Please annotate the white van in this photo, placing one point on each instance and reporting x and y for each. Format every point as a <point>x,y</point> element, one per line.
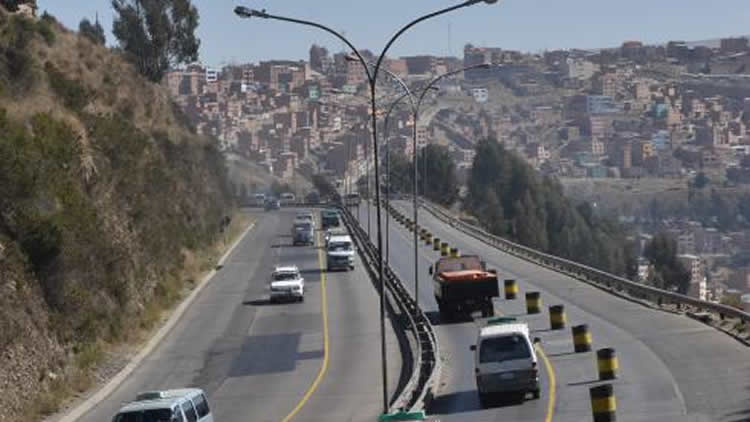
<point>505,361</point>
<point>180,405</point>
<point>339,253</point>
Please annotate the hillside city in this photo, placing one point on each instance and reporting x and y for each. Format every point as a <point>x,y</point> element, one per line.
<point>560,226</point>
<point>674,112</point>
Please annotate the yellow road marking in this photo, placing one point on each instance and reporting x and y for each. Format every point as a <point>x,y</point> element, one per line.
<point>324,367</point>
<point>547,364</point>
<point>552,385</point>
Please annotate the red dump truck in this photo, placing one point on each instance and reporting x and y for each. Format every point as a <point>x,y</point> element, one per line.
<point>463,286</point>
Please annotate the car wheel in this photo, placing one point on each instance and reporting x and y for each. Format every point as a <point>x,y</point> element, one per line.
<point>484,400</point>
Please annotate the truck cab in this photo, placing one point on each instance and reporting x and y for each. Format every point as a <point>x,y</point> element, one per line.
<point>462,285</point>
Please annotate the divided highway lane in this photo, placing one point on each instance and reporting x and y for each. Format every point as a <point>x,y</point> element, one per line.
<point>645,392</point>
<point>259,361</point>
<point>673,368</point>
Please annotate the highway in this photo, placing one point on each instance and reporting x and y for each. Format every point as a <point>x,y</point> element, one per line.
<point>672,368</point>
<point>261,362</point>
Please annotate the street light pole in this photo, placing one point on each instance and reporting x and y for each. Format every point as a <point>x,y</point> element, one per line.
<point>372,79</point>
<point>386,120</point>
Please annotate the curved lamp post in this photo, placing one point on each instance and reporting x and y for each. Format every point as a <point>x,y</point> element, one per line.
<point>415,107</point>
<point>245,12</point>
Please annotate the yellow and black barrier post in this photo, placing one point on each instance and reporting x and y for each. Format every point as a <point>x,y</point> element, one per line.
<point>603,404</point>
<point>455,253</point>
<point>444,249</point>
<point>581,338</point>
<point>557,318</point>
<point>607,363</point>
<point>436,244</point>
<point>511,289</point>
<point>428,238</point>
<point>533,302</point>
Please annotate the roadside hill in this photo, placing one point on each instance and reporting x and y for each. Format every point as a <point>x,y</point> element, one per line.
<point>105,195</point>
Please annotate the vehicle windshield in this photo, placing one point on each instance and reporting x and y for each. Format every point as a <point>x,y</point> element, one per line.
<point>463,263</point>
<point>339,247</point>
<point>302,226</point>
<point>151,415</point>
<point>285,276</point>
<point>498,349</point>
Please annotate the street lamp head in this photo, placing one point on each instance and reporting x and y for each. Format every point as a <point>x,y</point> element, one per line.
<point>246,12</point>
<point>351,58</point>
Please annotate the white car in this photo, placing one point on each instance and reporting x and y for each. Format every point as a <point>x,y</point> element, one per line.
<point>287,284</point>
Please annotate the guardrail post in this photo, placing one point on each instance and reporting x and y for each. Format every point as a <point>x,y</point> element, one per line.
<point>511,289</point>
<point>607,363</point>
<point>533,302</point>
<point>557,318</point>
<point>581,338</point>
<point>603,404</point>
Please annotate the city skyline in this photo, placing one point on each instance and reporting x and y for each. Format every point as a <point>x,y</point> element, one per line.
<point>509,24</point>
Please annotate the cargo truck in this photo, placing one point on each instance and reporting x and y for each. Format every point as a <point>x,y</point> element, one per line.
<point>462,285</point>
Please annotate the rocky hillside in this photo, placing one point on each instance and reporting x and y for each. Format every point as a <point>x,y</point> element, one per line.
<point>105,192</point>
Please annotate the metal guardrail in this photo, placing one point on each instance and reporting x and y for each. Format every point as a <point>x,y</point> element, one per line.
<point>426,369</point>
<point>586,273</point>
<point>424,379</point>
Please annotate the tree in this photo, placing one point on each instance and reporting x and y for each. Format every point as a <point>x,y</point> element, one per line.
<point>156,34</point>
<point>438,175</point>
<point>661,252</point>
<point>701,181</point>
<point>93,32</point>
<point>12,5</point>
<point>324,186</point>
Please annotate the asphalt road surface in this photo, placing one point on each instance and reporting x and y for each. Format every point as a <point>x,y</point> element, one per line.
<point>262,362</point>
<point>672,368</point>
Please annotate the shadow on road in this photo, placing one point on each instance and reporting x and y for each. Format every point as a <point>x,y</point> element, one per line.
<point>259,302</point>
<point>435,319</point>
<point>558,355</point>
<point>579,383</point>
<point>312,271</point>
<point>468,401</point>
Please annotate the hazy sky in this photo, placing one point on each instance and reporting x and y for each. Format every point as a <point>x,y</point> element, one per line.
<point>529,25</point>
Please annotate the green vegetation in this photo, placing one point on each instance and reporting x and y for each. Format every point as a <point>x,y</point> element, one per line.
<point>441,182</point>
<point>669,272</point>
<point>156,34</point>
<point>92,31</point>
<point>102,214</point>
<point>324,186</point>
<point>437,175</point>
<point>511,200</point>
